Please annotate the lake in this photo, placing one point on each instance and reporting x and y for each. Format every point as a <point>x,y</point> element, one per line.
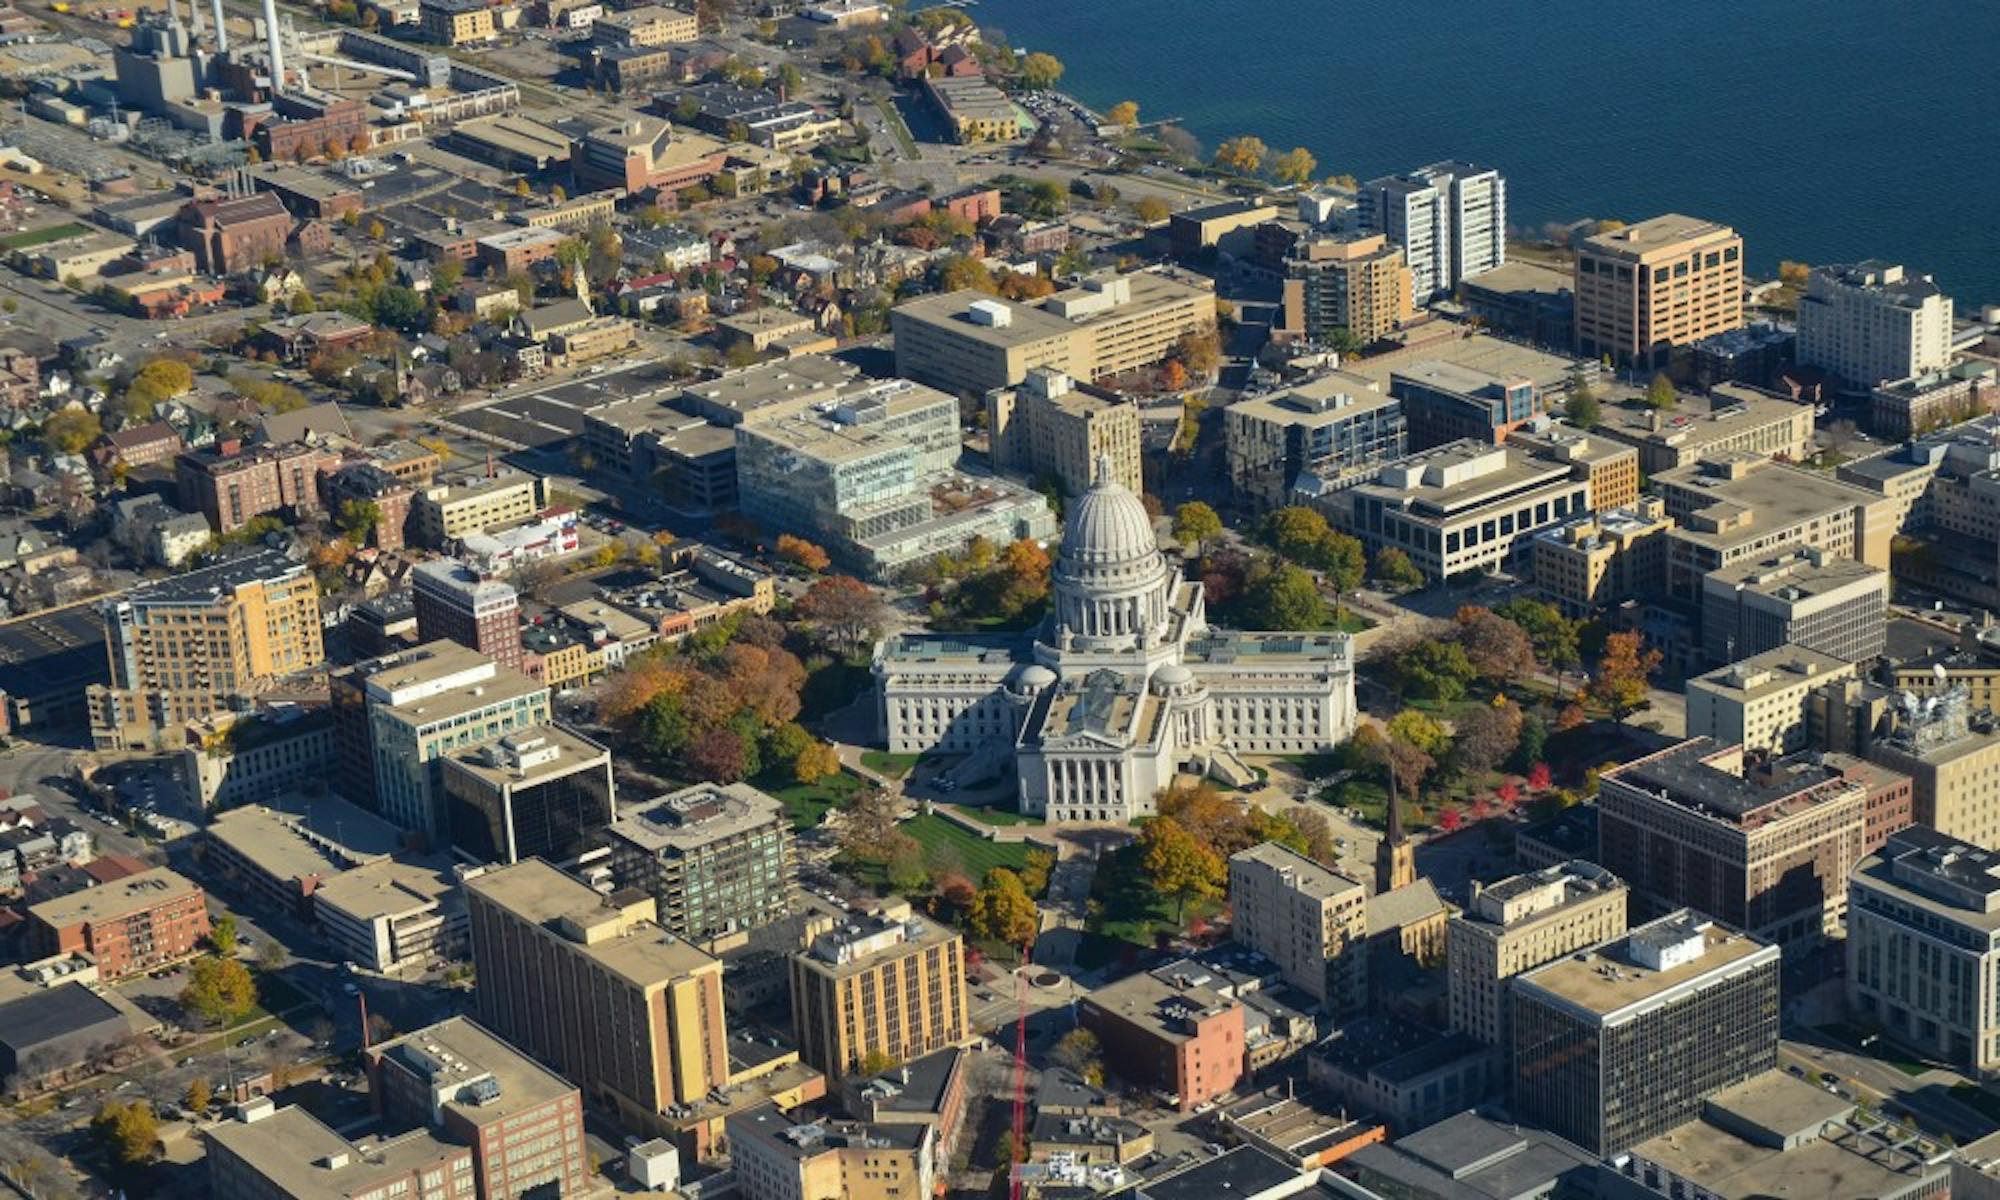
<point>1823,132</point>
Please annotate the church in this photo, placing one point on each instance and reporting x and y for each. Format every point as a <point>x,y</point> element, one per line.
<point>1123,685</point>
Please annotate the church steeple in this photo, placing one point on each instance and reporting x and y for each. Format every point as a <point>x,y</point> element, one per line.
<point>1395,858</point>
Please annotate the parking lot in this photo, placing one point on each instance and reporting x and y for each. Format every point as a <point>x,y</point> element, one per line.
<point>542,416</point>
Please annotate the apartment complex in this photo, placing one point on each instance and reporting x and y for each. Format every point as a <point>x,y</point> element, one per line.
<point>1517,924</point>
<point>716,858</point>
<point>1802,597</point>
<point>595,989</point>
<point>1765,847</point>
<point>1763,702</point>
<point>1872,322</point>
<point>1463,507</point>
<point>182,647</point>
<point>1742,507</point>
<point>232,484</point>
<point>1311,921</point>
<point>1359,285</point>
<point>1624,1042</point>
<point>457,603</point>
<point>395,716</point>
<point>523,1124</point>
<point>776,1157</point>
<point>1646,289</point>
<point>1923,946</point>
<point>269,1153</point>
<point>887,982</point>
<point>127,926</point>
<point>1952,755</point>
<point>1738,418</point>
<point>442,514</point>
<point>1052,428</point>
<point>646,25</point>
<point>1171,1029</point>
<point>969,343</point>
<point>1329,427</point>
<point>541,792</point>
<point>1589,563</point>
<point>1448,218</point>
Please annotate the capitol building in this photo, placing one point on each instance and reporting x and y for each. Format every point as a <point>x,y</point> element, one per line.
<point>1123,685</point>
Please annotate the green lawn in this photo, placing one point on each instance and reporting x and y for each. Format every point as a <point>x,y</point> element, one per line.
<point>1125,909</point>
<point>946,843</point>
<point>991,815</point>
<point>895,766</point>
<point>1369,798</point>
<point>30,238</point>
<point>808,803</point>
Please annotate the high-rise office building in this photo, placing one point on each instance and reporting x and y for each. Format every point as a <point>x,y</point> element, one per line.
<point>523,1123</point>
<point>1763,846</point>
<point>1053,427</point>
<point>1330,426</point>
<point>1953,756</point>
<point>716,857</point>
<point>883,983</point>
<point>1923,946</point>
<point>1644,289</point>
<point>1517,924</point>
<point>541,792</point>
<point>1624,1042</point>
<point>1799,595</point>
<point>185,646</point>
<point>596,990</point>
<point>1449,218</point>
<point>457,602</point>
<point>1311,921</point>
<point>1872,322</point>
<point>1359,284</point>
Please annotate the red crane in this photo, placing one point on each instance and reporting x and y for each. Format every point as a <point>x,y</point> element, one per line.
<point>1020,1069</point>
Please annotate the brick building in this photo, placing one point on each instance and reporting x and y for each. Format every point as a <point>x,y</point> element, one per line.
<point>131,925</point>
<point>1170,1031</point>
<point>367,483</point>
<point>230,484</point>
<point>228,236</point>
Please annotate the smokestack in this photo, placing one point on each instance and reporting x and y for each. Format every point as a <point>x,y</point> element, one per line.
<point>221,31</point>
<point>271,44</point>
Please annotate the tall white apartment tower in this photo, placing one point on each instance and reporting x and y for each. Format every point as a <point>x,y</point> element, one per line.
<point>1450,218</point>
<point>1872,322</point>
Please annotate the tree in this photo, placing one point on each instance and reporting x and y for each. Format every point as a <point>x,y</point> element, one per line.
<point>271,954</point>
<point>846,609</point>
<point>71,430</point>
<point>1793,274</point>
<point>1040,71</point>
<point>1294,166</point>
<point>1582,409</point>
<point>1553,635</point>
<point>1152,210</point>
<point>358,519</point>
<point>1419,730</point>
<point>1125,112</point>
<point>1410,750</point>
<point>1179,866</point>
<point>1620,684</point>
<point>1297,532</point>
<point>1392,566</point>
<point>718,755</point>
<point>1498,649</point>
<point>1243,154</point>
<point>802,553</point>
<point>1079,1051</point>
<point>222,934</point>
<point>1433,669</point>
<point>1283,597</point>
<point>1195,523</point>
<point>219,990</point>
<point>197,1096</point>
<point>1660,393</point>
<point>815,762</point>
<point>1002,911</point>
<point>1317,832</point>
<point>1342,561</point>
<point>170,376</point>
<point>1485,735</point>
<point>130,1131</point>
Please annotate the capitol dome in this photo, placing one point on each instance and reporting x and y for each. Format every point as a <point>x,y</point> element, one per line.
<point>1111,581</point>
<point>1107,525</point>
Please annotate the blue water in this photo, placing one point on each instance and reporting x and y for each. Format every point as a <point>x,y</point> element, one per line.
<point>1823,131</point>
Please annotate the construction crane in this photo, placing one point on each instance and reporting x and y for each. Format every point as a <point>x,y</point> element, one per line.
<point>1020,1124</point>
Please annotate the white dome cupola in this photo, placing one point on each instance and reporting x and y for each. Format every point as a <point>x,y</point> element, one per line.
<point>1111,581</point>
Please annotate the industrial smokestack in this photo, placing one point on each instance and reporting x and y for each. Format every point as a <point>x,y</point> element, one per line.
<point>271,44</point>
<point>221,30</point>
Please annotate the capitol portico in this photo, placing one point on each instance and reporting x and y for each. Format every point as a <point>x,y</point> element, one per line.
<point>1123,685</point>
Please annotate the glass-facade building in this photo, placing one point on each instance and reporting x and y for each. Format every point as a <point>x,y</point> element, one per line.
<point>716,858</point>
<point>543,792</point>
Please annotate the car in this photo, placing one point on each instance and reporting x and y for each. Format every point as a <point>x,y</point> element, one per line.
<point>249,1041</point>
<point>1828,1077</point>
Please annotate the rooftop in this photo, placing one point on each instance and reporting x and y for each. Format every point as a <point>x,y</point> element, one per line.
<point>1533,895</point>
<point>1748,500</point>
<point>1244,1171</point>
<point>46,1013</point>
<point>529,756</point>
<point>1450,479</point>
<point>389,887</point>
<point>1774,670</point>
<point>1327,400</point>
<point>305,1159</point>
<point>864,939</point>
<point>1731,409</point>
<point>1300,873</point>
<point>119,898</point>
<point>1394,1051</point>
<point>297,837</point>
<point>1615,982</point>
<point>1797,573</point>
<point>480,1077</point>
<point>1470,1157</point>
<point>623,942</point>
<point>208,585</point>
<point>1644,238</point>
<point>1165,1005</point>
<point>1713,781</point>
<point>1937,874</point>
<point>700,815</point>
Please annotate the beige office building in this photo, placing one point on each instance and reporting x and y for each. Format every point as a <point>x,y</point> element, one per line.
<point>1743,506</point>
<point>1763,702</point>
<point>1311,921</point>
<point>646,25</point>
<point>776,1157</point>
<point>443,514</point>
<point>1603,558</point>
<point>1517,924</point>
<point>1952,754</point>
<point>1360,284</point>
<point>887,983</point>
<point>595,989</point>
<point>1050,427</point>
<point>969,342</point>
<point>1735,418</point>
<point>1645,289</point>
